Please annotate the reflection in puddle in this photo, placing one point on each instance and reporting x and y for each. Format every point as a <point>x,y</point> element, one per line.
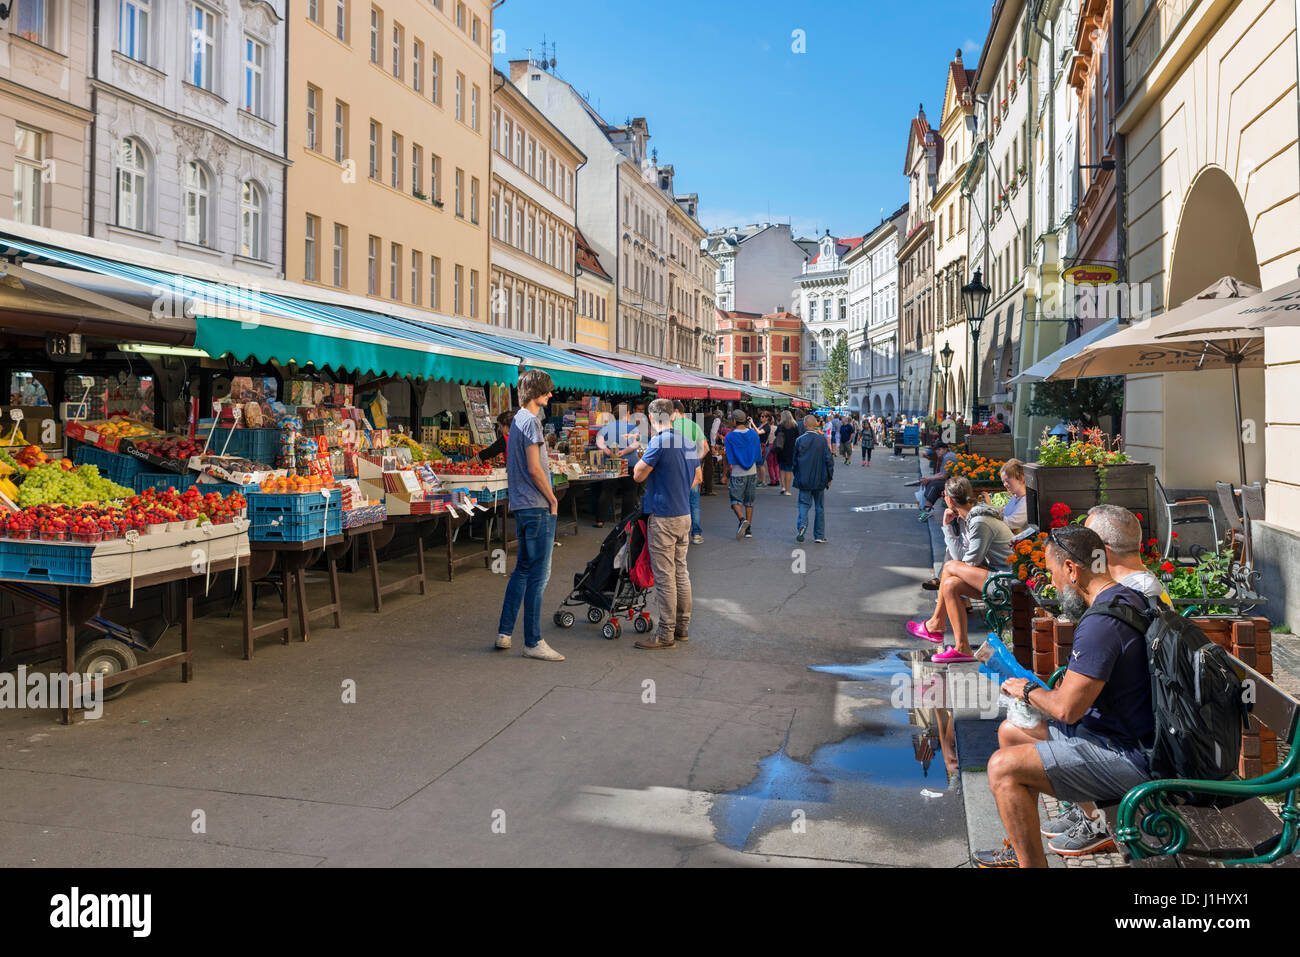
<point>887,756</point>
<point>885,507</point>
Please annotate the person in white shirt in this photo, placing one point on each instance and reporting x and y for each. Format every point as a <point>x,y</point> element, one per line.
<point>1121,533</point>
<point>1016,511</point>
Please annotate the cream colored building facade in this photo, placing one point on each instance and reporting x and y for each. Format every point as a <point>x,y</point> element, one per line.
<point>532,218</point>
<point>1212,188</point>
<point>389,138</point>
<point>686,294</point>
<point>45,116</point>
<point>709,268</point>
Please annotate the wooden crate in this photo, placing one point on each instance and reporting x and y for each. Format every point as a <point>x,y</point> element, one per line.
<point>1132,486</point>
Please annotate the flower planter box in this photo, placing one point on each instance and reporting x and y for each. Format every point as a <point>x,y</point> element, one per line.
<point>999,445</point>
<point>1132,486</point>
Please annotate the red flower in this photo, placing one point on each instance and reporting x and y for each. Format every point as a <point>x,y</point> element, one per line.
<point>1175,534</point>
<point>1167,567</point>
<point>1138,515</point>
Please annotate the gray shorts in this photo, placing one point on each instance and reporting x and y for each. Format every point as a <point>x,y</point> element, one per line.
<point>1083,766</point>
<point>743,488</point>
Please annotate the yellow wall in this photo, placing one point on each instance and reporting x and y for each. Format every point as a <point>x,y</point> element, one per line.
<point>345,194</point>
<point>592,331</point>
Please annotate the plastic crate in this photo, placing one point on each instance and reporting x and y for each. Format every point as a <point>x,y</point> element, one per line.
<point>225,488</point>
<point>158,481</point>
<point>54,562</point>
<point>256,445</point>
<point>114,466</point>
<point>293,517</point>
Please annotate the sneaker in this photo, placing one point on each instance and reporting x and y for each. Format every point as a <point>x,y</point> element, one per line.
<point>924,516</point>
<point>697,539</point>
<point>740,528</point>
<point>1003,857</point>
<point>1085,837</point>
<point>802,529</point>
<point>1060,825</point>
<point>820,541</point>
<point>749,529</point>
<point>543,652</point>
<point>503,641</point>
<point>950,656</point>
<point>917,629</point>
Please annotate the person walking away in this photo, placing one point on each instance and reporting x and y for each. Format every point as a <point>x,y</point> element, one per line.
<point>619,439</point>
<point>743,456</point>
<point>712,422</point>
<point>847,431</point>
<point>786,436</point>
<point>528,480</point>
<point>814,467</point>
<point>692,432</point>
<point>669,470</point>
<point>868,443</point>
<point>767,460</point>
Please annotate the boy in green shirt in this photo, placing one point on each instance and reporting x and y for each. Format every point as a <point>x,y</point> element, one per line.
<point>692,432</point>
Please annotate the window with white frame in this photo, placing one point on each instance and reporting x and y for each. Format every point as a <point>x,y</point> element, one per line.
<point>473,293</point>
<point>375,133</point>
<point>417,276</point>
<point>250,221</point>
<point>396,161</point>
<point>460,191</point>
<point>394,270</point>
<point>132,185</point>
<point>341,19</point>
<point>340,131</point>
<point>313,119</point>
<point>254,74</point>
<point>399,48</point>
<point>417,169</point>
<point>34,21</point>
<point>417,66</point>
<point>435,290</point>
<point>203,47</point>
<point>435,178</point>
<point>311,249</point>
<point>340,255</point>
<point>460,96</point>
<point>435,73</point>
<point>197,203</point>
<point>133,21</point>
<point>458,274</point>
<point>372,266</point>
<point>473,200</point>
<point>473,107</point>
<point>29,163</point>
<point>376,32</point>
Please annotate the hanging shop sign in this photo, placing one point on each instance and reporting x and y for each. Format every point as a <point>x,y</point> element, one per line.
<point>65,347</point>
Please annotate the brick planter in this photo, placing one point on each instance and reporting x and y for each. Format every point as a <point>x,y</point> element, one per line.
<point>1132,486</point>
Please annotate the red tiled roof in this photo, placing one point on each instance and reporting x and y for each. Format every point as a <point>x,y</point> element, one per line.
<point>587,259</point>
<point>842,246</point>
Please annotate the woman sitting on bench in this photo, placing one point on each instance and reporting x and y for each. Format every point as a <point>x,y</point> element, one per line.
<point>978,542</point>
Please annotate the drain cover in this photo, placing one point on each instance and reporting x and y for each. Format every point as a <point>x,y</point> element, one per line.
<point>884,506</point>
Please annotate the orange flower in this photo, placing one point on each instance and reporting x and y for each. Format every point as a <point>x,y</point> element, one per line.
<point>1022,572</point>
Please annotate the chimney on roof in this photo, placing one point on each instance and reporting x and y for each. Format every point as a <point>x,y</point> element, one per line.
<point>517,69</point>
<point>958,56</point>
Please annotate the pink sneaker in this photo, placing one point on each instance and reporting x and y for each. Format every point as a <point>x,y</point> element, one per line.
<point>950,656</point>
<point>917,629</point>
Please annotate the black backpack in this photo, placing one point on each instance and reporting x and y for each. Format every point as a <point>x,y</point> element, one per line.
<point>1197,696</point>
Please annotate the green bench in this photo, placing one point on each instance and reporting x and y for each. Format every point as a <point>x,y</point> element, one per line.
<point>1227,823</point>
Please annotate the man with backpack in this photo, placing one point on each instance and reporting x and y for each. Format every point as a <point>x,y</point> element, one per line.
<point>1094,747</point>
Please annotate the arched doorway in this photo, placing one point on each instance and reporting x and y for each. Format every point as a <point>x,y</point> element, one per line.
<point>962,406</point>
<point>889,404</point>
<point>1162,413</point>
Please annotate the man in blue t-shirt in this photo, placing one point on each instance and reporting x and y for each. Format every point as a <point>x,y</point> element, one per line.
<point>528,478</point>
<point>743,453</point>
<point>620,438</point>
<point>669,468</point>
<point>1101,717</point>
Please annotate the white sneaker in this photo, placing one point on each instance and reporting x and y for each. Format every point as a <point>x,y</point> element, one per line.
<point>503,641</point>
<point>543,652</point>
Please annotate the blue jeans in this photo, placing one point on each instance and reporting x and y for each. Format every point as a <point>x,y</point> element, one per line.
<point>806,500</point>
<point>696,528</point>
<point>535,528</point>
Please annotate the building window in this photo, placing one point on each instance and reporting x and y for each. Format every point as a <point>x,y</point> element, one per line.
<point>473,293</point>
<point>254,71</point>
<point>396,162</point>
<point>507,232</point>
<point>785,372</point>
<point>313,11</point>
<point>340,255</point>
<point>399,48</point>
<point>458,275</point>
<point>460,16</point>
<point>417,274</point>
<point>372,266</point>
<point>435,286</point>
<point>311,253</point>
<point>197,199</point>
<point>394,269</point>
<point>474,30</point>
<point>375,133</point>
<point>376,31</point>
<point>313,119</point>
<point>435,178</point>
<point>473,107</point>
<point>417,67</point>
<point>435,71</point>
<point>133,18</point>
<point>250,221</point>
<point>460,96</point>
<point>203,46</point>
<point>460,189</point>
<point>473,200</point>
<point>340,131</point>
<point>33,21</point>
<point>29,163</point>
<point>132,185</point>
<point>492,215</point>
<point>341,19</point>
<point>417,169</point>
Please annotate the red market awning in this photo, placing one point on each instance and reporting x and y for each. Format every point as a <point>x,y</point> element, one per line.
<point>670,383</point>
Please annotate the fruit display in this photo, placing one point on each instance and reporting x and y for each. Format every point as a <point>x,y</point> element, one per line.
<point>9,465</point>
<point>55,484</point>
<point>145,513</point>
<point>119,429</point>
<point>175,447</point>
<point>30,456</point>
<point>418,453</point>
<point>288,484</point>
<point>455,446</point>
<point>472,467</point>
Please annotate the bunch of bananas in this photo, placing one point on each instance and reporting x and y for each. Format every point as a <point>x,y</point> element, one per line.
<point>120,429</point>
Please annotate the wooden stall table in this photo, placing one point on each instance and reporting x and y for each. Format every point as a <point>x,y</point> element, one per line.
<point>454,561</point>
<point>295,558</point>
<point>80,603</point>
<point>380,534</point>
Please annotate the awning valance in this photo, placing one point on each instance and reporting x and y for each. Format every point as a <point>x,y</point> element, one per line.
<point>567,370</point>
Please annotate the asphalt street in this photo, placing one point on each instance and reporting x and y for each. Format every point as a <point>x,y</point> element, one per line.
<point>731,750</point>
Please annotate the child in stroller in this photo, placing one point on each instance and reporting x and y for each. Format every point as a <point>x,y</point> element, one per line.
<point>616,582</point>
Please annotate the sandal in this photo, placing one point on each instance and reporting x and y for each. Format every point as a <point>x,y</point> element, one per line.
<point>931,585</point>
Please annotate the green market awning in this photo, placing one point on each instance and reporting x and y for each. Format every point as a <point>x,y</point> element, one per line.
<point>568,371</point>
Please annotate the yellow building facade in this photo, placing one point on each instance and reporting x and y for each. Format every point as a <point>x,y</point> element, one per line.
<point>389,141</point>
<point>595,299</point>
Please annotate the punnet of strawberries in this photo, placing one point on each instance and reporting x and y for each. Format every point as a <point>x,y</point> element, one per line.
<point>95,523</point>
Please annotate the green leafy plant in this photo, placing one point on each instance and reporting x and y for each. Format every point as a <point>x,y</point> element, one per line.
<point>835,379</point>
<point>1084,401</point>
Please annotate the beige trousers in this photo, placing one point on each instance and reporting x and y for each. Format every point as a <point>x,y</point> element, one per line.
<point>668,539</point>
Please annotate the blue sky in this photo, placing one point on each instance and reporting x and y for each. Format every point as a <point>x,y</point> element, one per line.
<point>760,132</point>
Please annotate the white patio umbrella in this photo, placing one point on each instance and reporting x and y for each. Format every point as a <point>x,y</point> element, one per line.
<point>1154,346</point>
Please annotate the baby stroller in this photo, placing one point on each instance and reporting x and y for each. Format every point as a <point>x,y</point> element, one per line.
<point>616,582</point>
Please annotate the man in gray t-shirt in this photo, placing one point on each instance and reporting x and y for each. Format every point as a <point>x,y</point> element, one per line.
<point>525,430</point>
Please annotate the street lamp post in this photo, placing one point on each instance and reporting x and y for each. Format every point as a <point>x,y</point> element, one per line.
<point>975,297</point>
<point>945,354</point>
